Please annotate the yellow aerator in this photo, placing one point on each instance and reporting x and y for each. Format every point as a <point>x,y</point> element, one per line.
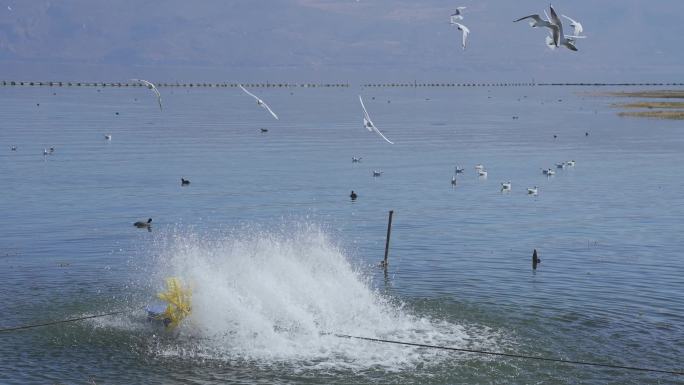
<point>177,300</point>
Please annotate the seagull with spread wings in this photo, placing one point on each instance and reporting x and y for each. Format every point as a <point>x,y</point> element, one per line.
<point>560,39</point>
<point>536,21</point>
<point>458,14</point>
<point>154,89</point>
<point>260,102</point>
<point>465,32</point>
<point>368,123</point>
<point>576,26</point>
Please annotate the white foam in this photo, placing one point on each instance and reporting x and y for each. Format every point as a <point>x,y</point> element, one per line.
<point>271,297</point>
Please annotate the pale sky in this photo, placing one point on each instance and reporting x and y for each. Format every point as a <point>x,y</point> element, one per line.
<point>334,40</point>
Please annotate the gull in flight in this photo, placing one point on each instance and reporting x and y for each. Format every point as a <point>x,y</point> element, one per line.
<point>559,39</point>
<point>536,21</point>
<point>369,124</point>
<point>577,27</point>
<point>153,88</point>
<point>457,15</point>
<point>260,102</point>
<point>465,31</point>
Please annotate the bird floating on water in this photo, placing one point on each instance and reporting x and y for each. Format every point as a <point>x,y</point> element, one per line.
<point>533,190</point>
<point>570,163</point>
<point>453,180</point>
<point>152,87</point>
<point>459,170</point>
<point>377,173</point>
<point>356,160</point>
<point>482,173</point>
<point>143,225</point>
<point>260,102</point>
<point>264,130</point>
<point>560,165</point>
<point>353,195</point>
<point>108,137</point>
<point>506,186</point>
<point>368,123</point>
<point>13,148</point>
<point>185,182</point>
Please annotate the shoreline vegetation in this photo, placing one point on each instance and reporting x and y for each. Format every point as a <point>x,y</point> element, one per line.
<point>670,110</point>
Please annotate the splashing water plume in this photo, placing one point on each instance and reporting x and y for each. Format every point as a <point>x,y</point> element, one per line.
<point>274,297</point>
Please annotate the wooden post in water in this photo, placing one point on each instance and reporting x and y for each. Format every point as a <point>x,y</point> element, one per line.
<point>385,263</point>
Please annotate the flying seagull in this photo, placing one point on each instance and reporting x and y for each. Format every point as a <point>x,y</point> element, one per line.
<point>369,124</point>
<point>259,101</point>
<point>536,21</point>
<point>465,31</point>
<point>153,88</point>
<point>576,26</point>
<point>561,39</point>
<point>458,14</point>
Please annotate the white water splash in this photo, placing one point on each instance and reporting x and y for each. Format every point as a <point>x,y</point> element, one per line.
<point>273,297</point>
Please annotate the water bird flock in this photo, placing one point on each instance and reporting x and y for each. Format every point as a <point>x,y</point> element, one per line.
<point>557,37</point>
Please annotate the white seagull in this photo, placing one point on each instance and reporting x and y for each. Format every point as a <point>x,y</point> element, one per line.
<point>576,25</point>
<point>369,124</point>
<point>153,88</point>
<point>570,163</point>
<point>559,38</point>
<point>533,190</point>
<point>536,21</point>
<point>482,173</point>
<point>465,31</point>
<point>260,102</point>
<point>457,15</point>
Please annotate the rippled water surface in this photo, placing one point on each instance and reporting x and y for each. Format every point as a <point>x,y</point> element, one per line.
<point>278,256</point>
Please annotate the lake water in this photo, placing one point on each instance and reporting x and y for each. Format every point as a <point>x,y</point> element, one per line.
<point>278,256</point>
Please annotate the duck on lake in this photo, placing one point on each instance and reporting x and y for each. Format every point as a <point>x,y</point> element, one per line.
<point>143,225</point>
<point>184,182</point>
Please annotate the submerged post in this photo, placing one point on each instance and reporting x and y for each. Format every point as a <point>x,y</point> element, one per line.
<point>387,241</point>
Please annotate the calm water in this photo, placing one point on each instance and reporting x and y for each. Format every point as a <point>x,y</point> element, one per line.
<point>277,254</point>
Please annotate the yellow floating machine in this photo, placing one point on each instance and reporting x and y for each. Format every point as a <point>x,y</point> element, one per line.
<point>177,299</point>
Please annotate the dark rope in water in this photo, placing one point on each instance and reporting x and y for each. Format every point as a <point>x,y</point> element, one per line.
<point>462,350</point>
<point>24,327</point>
<point>506,354</point>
